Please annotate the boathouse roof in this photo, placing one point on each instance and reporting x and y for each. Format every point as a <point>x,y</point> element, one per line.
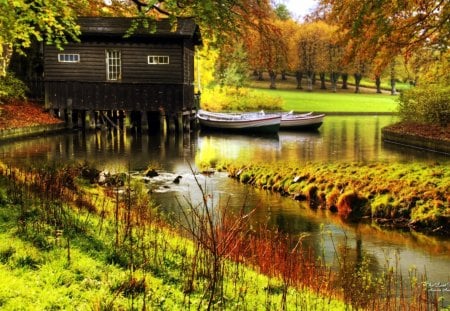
<point>118,27</point>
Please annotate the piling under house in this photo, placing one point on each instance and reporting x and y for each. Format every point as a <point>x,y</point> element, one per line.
<point>147,76</point>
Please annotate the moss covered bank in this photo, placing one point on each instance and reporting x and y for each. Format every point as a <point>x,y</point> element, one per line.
<point>409,196</point>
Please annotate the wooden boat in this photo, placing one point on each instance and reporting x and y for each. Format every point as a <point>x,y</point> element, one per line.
<point>306,121</point>
<point>246,122</point>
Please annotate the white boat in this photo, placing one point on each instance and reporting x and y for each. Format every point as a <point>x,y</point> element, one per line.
<point>306,121</point>
<point>257,122</point>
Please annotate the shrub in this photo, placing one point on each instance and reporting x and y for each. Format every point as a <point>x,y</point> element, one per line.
<point>426,104</point>
<point>11,88</point>
<point>238,99</point>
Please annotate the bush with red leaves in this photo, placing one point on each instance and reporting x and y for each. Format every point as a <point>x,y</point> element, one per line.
<point>24,114</point>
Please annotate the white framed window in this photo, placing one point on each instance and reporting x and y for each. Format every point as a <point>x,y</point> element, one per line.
<point>68,58</point>
<point>113,65</point>
<point>158,60</point>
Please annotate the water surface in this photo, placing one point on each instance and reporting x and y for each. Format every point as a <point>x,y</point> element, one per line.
<point>340,139</point>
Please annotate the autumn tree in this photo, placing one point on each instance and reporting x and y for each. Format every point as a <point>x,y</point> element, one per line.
<point>289,34</point>
<point>22,22</point>
<point>335,65</point>
<point>313,43</point>
<point>383,29</point>
<point>266,45</point>
<point>282,12</point>
<point>103,8</point>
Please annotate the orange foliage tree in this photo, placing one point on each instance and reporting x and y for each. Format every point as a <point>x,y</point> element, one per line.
<point>317,51</point>
<point>381,30</point>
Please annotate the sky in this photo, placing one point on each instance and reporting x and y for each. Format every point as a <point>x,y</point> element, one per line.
<point>299,8</point>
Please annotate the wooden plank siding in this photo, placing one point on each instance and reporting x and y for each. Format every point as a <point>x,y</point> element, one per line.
<point>135,67</point>
<point>141,87</point>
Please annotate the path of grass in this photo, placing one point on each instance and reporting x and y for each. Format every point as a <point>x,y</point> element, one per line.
<point>344,101</point>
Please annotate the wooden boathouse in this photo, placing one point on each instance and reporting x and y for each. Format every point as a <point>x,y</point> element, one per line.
<point>146,78</point>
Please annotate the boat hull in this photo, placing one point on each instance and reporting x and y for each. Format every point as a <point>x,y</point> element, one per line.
<point>292,122</point>
<point>233,123</point>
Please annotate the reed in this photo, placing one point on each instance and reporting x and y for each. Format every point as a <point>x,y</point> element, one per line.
<point>111,247</point>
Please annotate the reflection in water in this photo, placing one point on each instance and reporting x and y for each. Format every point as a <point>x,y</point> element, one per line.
<point>339,139</point>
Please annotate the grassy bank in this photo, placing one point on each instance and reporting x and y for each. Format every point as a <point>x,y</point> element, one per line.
<point>67,243</point>
<point>77,246</point>
<point>403,195</point>
<point>326,101</point>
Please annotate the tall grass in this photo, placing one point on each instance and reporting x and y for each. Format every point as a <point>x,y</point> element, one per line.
<point>92,248</point>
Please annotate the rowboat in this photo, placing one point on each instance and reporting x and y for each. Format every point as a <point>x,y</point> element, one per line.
<point>306,121</point>
<point>257,122</point>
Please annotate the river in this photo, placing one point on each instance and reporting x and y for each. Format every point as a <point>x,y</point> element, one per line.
<point>341,138</point>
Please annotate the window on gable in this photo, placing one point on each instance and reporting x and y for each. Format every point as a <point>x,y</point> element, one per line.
<point>69,58</point>
<point>158,60</point>
<point>113,65</point>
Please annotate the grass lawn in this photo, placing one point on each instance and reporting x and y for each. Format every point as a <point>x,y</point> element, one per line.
<point>326,101</point>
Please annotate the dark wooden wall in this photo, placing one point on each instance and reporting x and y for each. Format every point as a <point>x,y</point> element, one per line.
<point>92,66</point>
<point>142,87</point>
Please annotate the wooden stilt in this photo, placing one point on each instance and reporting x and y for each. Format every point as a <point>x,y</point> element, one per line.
<point>69,119</point>
<point>90,120</point>
<point>180,122</point>
<point>171,123</point>
<point>144,121</point>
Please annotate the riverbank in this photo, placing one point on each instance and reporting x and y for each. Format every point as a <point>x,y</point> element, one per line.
<point>70,244</point>
<point>423,136</point>
<point>24,118</point>
<point>404,196</point>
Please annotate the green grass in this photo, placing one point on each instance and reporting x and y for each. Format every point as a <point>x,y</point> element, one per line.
<point>123,257</point>
<point>37,272</point>
<point>343,101</point>
<point>385,84</point>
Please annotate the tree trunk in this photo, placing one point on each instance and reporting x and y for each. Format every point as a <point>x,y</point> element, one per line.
<point>322,81</point>
<point>313,78</point>
<point>378,84</point>
<point>310,77</point>
<point>5,57</point>
<point>273,76</point>
<point>358,77</point>
<point>283,75</point>
<point>298,77</point>
<point>344,81</point>
<point>334,76</point>
<point>393,90</point>
<point>260,75</point>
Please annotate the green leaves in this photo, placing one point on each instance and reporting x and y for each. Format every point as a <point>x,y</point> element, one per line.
<point>22,22</point>
<point>426,104</point>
